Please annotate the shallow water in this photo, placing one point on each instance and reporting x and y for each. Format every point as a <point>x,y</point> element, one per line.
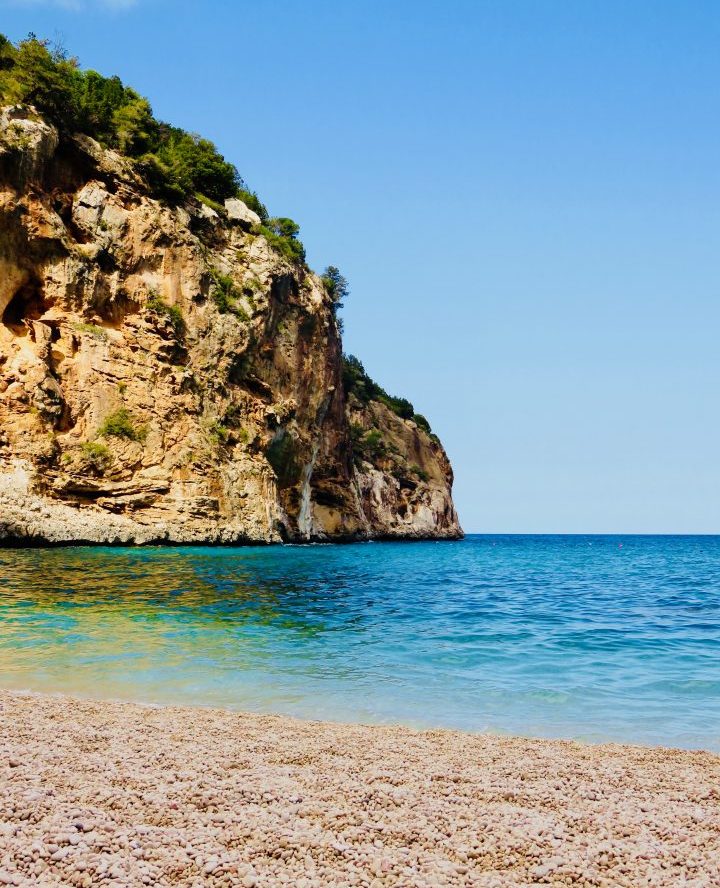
<point>595,638</point>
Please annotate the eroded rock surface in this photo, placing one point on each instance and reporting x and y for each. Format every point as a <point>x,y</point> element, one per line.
<point>167,376</point>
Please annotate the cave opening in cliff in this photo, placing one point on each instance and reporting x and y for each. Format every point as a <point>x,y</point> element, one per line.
<point>26,305</point>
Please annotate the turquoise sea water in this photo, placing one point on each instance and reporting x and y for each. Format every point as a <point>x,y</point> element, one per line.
<point>593,638</point>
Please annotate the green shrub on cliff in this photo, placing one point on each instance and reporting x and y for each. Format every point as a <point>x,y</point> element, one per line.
<point>32,73</point>
<point>6,53</point>
<point>171,312</point>
<point>338,289</point>
<point>121,424</point>
<point>418,471</point>
<point>401,406</point>
<point>90,458</point>
<point>357,382</point>
<point>95,457</point>
<point>282,234</point>
<point>370,445</point>
<point>219,433</point>
<point>91,330</point>
<point>209,202</point>
<point>336,285</point>
<point>177,164</point>
<point>420,421</point>
<point>356,432</point>
<point>225,295</point>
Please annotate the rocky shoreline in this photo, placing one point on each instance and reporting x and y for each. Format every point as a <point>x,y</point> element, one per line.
<point>28,520</point>
<point>104,793</point>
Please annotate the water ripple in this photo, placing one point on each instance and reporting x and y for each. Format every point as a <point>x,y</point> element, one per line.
<point>588,637</point>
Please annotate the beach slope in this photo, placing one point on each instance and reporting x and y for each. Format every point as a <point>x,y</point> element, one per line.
<point>98,793</point>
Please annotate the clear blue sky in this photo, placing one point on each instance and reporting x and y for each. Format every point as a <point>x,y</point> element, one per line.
<point>525,197</point>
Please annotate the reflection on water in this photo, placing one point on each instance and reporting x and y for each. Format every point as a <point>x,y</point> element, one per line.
<point>551,636</point>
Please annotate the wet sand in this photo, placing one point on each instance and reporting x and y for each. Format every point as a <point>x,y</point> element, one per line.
<point>95,793</point>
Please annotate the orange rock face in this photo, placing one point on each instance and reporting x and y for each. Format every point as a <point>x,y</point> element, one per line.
<point>167,376</point>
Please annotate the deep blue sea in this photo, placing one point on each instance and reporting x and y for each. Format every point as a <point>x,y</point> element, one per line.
<point>588,637</point>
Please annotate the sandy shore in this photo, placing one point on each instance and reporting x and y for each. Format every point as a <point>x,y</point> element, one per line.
<point>119,794</point>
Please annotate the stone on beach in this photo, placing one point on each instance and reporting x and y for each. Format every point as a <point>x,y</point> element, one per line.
<point>122,794</point>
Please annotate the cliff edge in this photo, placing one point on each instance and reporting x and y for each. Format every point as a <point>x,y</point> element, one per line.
<point>168,373</point>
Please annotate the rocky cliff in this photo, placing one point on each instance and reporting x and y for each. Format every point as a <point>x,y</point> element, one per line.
<point>168,375</point>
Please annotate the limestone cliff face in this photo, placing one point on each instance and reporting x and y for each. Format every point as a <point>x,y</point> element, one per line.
<point>167,376</point>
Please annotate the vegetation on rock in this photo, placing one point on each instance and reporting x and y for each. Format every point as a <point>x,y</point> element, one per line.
<point>336,285</point>
<point>225,295</point>
<point>419,471</point>
<point>96,456</point>
<point>171,312</point>
<point>177,165</point>
<point>282,234</point>
<point>370,445</point>
<point>121,424</point>
<point>338,289</point>
<point>275,433</point>
<point>219,433</point>
<point>357,382</point>
<point>91,330</point>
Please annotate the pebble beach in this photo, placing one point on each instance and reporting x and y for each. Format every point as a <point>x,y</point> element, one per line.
<point>119,794</point>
